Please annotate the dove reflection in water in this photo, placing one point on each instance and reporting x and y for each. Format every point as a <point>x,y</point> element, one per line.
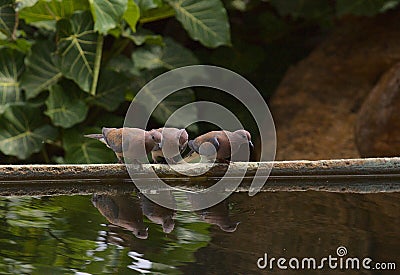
<point>122,210</point>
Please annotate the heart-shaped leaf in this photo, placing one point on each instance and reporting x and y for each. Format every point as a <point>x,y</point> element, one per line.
<point>80,149</point>
<point>23,131</point>
<point>78,49</point>
<point>7,17</point>
<point>205,21</point>
<point>107,13</point>
<point>11,67</point>
<point>44,10</point>
<point>110,90</point>
<point>172,56</point>
<point>65,108</point>
<point>42,71</point>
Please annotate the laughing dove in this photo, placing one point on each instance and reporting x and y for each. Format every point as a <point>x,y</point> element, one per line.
<point>173,142</point>
<point>138,143</point>
<point>221,144</point>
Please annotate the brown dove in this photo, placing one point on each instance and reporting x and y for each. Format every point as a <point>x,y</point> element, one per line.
<point>137,143</point>
<point>173,142</point>
<point>221,144</point>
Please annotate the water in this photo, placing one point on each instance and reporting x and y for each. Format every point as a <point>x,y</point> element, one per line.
<point>123,233</point>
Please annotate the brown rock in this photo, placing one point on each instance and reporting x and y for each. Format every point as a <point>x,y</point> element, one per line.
<point>316,104</point>
<point>378,121</point>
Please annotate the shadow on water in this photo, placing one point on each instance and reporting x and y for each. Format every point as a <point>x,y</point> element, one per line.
<point>124,232</point>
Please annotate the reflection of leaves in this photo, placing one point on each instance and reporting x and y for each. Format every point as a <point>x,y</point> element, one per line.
<point>23,214</point>
<point>77,49</point>
<point>80,149</point>
<point>172,56</point>
<point>7,18</point>
<point>64,108</point>
<point>22,131</point>
<point>205,21</point>
<point>11,66</point>
<point>41,70</point>
<point>107,13</point>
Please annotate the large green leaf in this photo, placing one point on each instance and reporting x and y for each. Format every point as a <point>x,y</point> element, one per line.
<point>64,107</point>
<point>364,7</point>
<point>78,49</point>
<point>44,10</point>
<point>205,21</point>
<point>7,17</point>
<point>132,14</point>
<point>42,71</point>
<point>80,149</point>
<point>23,132</point>
<point>110,90</point>
<point>107,13</point>
<point>11,67</point>
<point>172,56</point>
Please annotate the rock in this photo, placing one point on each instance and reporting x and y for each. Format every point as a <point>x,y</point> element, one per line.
<point>378,121</point>
<point>315,107</point>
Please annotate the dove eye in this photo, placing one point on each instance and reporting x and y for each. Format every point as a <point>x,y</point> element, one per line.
<point>153,137</point>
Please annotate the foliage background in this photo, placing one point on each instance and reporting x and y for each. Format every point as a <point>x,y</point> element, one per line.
<point>68,68</point>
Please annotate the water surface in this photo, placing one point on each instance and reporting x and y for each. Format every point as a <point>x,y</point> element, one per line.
<point>124,233</point>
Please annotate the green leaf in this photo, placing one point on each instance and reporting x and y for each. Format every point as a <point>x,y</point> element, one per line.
<point>364,7</point>
<point>64,107</point>
<point>205,21</point>
<point>107,13</point>
<point>45,10</point>
<point>80,149</point>
<point>143,36</point>
<point>23,132</point>
<point>172,56</point>
<point>7,17</point>
<point>42,71</point>
<point>303,8</point>
<point>78,49</point>
<point>132,14</point>
<point>11,67</point>
<point>110,90</point>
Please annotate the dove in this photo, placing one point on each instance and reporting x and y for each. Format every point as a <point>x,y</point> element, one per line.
<point>137,143</point>
<point>221,144</point>
<point>173,142</point>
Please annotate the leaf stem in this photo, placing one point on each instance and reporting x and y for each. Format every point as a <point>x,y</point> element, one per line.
<point>97,62</point>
